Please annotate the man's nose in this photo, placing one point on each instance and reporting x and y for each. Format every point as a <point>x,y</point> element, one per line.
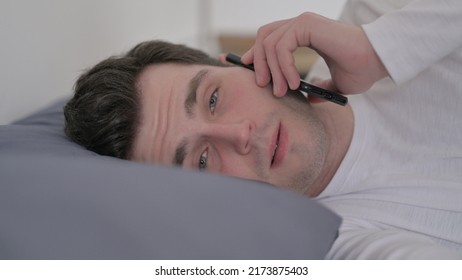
<point>237,135</point>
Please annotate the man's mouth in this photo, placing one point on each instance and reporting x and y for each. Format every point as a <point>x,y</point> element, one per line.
<point>278,147</point>
<point>274,151</point>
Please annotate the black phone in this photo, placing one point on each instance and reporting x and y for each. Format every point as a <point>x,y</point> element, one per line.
<point>304,87</point>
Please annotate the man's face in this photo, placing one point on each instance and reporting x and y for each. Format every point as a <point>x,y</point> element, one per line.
<point>217,119</point>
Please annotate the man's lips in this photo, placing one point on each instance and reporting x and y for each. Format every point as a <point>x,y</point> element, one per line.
<point>278,146</point>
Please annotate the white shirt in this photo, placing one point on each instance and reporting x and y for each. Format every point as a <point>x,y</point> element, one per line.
<point>399,188</point>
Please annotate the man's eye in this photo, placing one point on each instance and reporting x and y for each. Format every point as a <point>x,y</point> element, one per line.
<point>213,101</point>
<point>203,161</point>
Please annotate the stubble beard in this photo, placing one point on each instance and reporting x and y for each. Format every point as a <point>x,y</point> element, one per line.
<point>313,159</point>
<point>311,152</point>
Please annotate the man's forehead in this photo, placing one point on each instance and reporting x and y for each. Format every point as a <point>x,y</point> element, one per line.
<point>161,74</point>
<point>164,70</point>
<point>179,80</point>
<point>162,87</point>
<point>155,85</point>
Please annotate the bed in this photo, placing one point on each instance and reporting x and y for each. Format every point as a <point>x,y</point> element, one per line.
<point>60,201</point>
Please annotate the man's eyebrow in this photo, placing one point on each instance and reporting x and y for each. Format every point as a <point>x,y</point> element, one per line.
<point>191,98</point>
<point>180,153</point>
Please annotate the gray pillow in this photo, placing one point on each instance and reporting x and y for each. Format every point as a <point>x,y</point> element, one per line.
<point>60,201</point>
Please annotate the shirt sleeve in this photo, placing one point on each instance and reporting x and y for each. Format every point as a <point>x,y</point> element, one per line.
<point>387,244</point>
<point>415,37</point>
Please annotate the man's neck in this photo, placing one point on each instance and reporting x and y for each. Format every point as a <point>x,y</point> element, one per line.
<point>339,125</point>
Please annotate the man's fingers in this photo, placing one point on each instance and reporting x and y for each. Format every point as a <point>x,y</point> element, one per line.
<point>247,57</point>
<point>263,74</point>
<point>278,79</point>
<point>257,54</point>
<point>285,49</point>
<point>222,58</point>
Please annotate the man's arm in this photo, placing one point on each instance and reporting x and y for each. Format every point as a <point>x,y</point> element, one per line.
<point>417,36</point>
<point>353,64</point>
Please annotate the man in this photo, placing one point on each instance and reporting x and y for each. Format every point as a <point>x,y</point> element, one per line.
<point>389,163</point>
<point>206,117</point>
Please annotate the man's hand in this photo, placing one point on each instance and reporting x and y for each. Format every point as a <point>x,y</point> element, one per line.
<point>353,63</point>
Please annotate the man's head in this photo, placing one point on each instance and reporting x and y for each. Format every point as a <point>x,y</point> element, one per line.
<point>168,104</point>
<point>104,114</point>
